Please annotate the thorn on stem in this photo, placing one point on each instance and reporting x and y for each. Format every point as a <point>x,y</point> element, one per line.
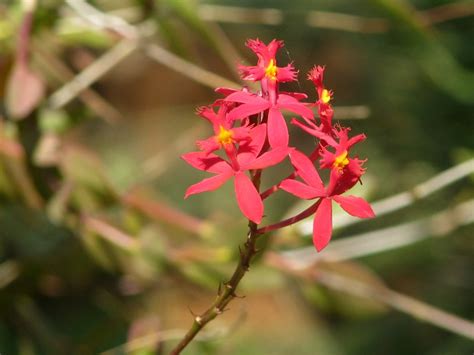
<point>192,313</point>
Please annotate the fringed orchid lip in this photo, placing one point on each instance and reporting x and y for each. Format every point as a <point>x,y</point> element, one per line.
<point>341,161</point>
<point>326,96</point>
<point>271,70</point>
<point>225,136</point>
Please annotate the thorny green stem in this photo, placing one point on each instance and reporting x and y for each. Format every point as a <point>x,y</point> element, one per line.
<point>226,294</point>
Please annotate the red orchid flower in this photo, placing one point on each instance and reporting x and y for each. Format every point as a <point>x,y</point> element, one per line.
<point>312,187</point>
<point>251,104</point>
<point>342,144</point>
<point>266,66</point>
<point>246,157</point>
<point>345,170</point>
<point>325,110</point>
<point>225,135</point>
<point>260,121</point>
<point>269,74</point>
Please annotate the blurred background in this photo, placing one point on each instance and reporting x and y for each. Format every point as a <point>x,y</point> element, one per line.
<point>99,253</point>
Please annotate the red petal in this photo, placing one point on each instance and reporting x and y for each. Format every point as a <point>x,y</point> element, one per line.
<point>285,74</point>
<point>327,158</point>
<point>248,198</point>
<point>316,75</point>
<point>305,168</point>
<point>225,91</point>
<point>208,145</point>
<point>340,183</point>
<point>241,133</point>
<point>300,189</point>
<point>206,162</point>
<point>249,151</point>
<point>262,51</point>
<point>297,95</point>
<point>273,47</point>
<point>253,73</point>
<point>277,130</point>
<point>209,184</point>
<point>355,140</point>
<point>207,113</point>
<point>355,206</point>
<point>245,97</point>
<point>322,224</point>
<point>246,110</point>
<point>287,99</point>
<point>314,130</point>
<point>267,159</point>
<point>293,105</point>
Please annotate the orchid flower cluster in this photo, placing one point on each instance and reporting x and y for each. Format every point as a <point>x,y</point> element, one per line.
<point>252,134</point>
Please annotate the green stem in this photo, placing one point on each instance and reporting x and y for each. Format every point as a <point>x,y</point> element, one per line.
<point>227,294</point>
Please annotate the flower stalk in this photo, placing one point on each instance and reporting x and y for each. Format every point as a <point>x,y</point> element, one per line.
<point>227,293</point>
<point>291,220</point>
<point>251,133</point>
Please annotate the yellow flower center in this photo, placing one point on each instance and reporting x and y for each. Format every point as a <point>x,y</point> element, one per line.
<point>341,161</point>
<point>271,70</point>
<point>325,96</point>
<point>225,136</point>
